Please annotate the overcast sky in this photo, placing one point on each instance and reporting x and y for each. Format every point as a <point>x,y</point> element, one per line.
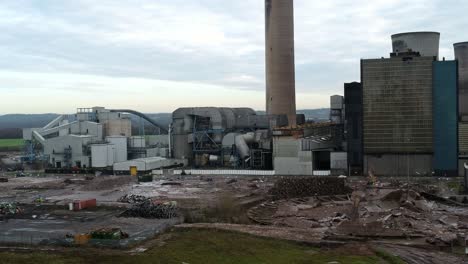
<point>158,55</point>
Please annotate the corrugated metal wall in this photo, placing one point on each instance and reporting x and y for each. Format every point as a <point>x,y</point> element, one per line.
<point>397,105</point>
<point>463,138</point>
<point>445,117</point>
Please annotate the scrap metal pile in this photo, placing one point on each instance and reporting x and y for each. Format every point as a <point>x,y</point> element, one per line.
<point>9,209</point>
<point>306,187</point>
<point>132,199</point>
<point>148,208</point>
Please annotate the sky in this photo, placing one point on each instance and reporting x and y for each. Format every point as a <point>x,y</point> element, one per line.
<point>158,55</point>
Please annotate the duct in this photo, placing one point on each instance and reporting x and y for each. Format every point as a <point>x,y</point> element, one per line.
<point>56,129</point>
<point>244,111</point>
<point>38,137</point>
<point>213,113</point>
<point>147,118</point>
<point>229,117</point>
<point>229,140</point>
<point>242,142</point>
<point>54,122</point>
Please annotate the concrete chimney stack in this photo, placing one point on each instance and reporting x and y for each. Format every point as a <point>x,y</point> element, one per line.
<point>280,71</point>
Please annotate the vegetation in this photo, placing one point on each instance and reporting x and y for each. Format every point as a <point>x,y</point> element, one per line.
<point>11,143</point>
<point>201,246</point>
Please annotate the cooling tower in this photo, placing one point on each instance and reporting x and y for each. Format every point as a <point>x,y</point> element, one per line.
<point>426,43</point>
<point>461,54</point>
<point>280,72</point>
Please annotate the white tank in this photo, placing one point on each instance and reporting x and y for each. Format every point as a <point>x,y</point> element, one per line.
<point>426,43</point>
<point>120,147</point>
<point>102,155</point>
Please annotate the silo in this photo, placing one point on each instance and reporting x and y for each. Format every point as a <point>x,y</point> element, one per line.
<point>280,72</point>
<point>426,43</point>
<point>461,54</point>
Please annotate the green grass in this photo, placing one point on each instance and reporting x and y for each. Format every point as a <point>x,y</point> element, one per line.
<point>11,143</point>
<point>389,258</point>
<point>201,246</point>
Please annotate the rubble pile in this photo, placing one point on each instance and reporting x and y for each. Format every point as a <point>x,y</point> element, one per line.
<point>306,187</point>
<point>375,213</point>
<point>9,209</point>
<point>133,199</point>
<point>313,212</point>
<point>153,209</point>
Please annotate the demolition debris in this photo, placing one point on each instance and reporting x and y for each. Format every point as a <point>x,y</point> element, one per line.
<point>306,187</point>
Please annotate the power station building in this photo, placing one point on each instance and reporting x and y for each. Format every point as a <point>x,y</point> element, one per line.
<point>409,111</point>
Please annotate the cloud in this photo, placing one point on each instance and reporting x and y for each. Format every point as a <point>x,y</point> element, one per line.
<point>206,47</point>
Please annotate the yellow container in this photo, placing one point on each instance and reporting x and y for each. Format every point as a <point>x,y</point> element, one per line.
<point>133,171</point>
<point>82,239</point>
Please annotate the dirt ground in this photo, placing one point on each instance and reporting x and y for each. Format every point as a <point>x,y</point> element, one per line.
<point>410,224</point>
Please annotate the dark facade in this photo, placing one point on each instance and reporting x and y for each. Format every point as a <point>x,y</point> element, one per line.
<point>445,112</point>
<point>353,114</point>
<point>397,105</point>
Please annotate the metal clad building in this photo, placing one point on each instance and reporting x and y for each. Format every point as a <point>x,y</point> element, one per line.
<point>397,105</point>
<point>353,105</point>
<point>463,138</point>
<point>445,117</point>
<point>461,54</point>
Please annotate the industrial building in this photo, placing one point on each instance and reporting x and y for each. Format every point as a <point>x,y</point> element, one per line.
<point>223,137</point>
<point>354,127</point>
<point>407,115</point>
<point>95,139</point>
<point>461,55</point>
<point>407,108</point>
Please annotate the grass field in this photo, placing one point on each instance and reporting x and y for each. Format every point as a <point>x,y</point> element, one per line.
<point>11,143</point>
<point>204,247</point>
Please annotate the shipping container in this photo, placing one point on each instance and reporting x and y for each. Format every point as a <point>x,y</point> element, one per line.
<point>84,204</point>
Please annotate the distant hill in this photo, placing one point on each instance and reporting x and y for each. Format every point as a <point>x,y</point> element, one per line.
<point>12,125</point>
<point>311,114</point>
<point>316,114</point>
<point>25,121</point>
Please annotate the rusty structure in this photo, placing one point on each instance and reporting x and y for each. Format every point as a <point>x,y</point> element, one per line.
<point>280,71</point>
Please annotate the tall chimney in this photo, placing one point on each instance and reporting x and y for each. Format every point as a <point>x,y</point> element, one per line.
<point>280,72</point>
